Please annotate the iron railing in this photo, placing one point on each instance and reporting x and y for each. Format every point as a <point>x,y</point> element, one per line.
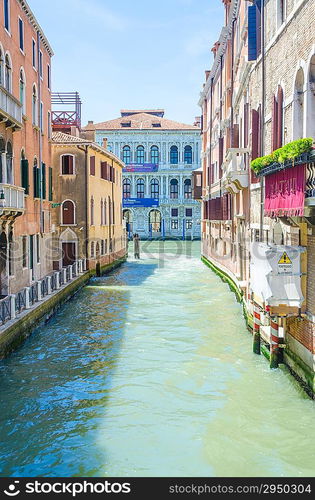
<point>5,309</point>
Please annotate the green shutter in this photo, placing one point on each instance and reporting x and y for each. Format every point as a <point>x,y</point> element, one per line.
<point>50,181</point>
<point>35,182</point>
<point>43,180</point>
<point>24,175</point>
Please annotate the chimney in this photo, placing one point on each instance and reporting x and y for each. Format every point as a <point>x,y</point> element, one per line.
<point>198,121</point>
<point>207,72</point>
<point>90,122</point>
<point>105,142</point>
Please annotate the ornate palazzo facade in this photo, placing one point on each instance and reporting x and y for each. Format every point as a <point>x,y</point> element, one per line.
<point>160,156</point>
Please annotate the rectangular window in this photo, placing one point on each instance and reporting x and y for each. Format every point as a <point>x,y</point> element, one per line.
<point>24,175</point>
<point>174,224</point>
<point>92,166</point>
<point>188,224</point>
<point>37,248</point>
<point>188,212</point>
<point>34,53</point>
<point>48,76</point>
<point>41,117</point>
<point>21,34</point>
<point>36,182</point>
<point>40,64</point>
<point>67,167</point>
<point>49,125</point>
<point>24,251</point>
<point>174,212</point>
<point>6,9</point>
<point>50,183</point>
<point>43,181</point>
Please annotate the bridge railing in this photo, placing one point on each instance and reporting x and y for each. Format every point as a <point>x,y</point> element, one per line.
<point>14,304</point>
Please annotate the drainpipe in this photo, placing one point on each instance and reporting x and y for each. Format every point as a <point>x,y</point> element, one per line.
<point>232,85</point>
<point>40,145</point>
<point>262,127</point>
<point>87,178</point>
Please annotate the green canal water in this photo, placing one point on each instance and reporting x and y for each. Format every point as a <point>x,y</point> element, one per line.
<point>149,372</point>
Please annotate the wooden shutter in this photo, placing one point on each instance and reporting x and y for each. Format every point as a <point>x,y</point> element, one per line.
<point>50,184</point>
<point>36,182</point>
<point>274,124</point>
<point>246,109</point>
<point>43,180</point>
<point>221,148</point>
<point>92,165</point>
<point>235,143</point>
<point>255,133</point>
<point>279,117</point>
<point>252,33</point>
<point>24,175</point>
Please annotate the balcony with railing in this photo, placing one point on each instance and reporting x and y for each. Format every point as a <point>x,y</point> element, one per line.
<point>11,199</point>
<point>235,172</point>
<point>10,110</point>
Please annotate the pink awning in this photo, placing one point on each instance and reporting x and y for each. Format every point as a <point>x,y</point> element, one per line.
<point>285,192</point>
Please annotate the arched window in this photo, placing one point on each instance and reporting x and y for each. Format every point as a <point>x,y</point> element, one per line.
<point>8,74</point>
<point>2,163</point>
<point>188,155</point>
<point>1,67</point>
<point>140,154</point>
<point>105,213</point>
<point>11,254</point>
<point>155,188</point>
<point>68,212</point>
<point>126,155</point>
<point>34,106</point>
<point>155,221</point>
<point>298,105</point>
<point>67,164</point>
<point>310,114</point>
<point>155,155</point>
<point>174,155</point>
<point>140,188</point>
<point>126,188</point>
<point>22,91</point>
<point>277,120</point>
<point>92,211</point>
<point>109,211</point>
<point>127,215</point>
<point>102,212</point>
<point>187,189</point>
<point>174,189</point>
<point>9,158</point>
<point>92,249</point>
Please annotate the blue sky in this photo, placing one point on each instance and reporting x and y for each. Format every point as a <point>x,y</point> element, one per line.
<point>131,53</point>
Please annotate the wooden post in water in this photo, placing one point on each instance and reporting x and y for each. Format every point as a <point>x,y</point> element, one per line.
<point>274,342</point>
<point>256,331</point>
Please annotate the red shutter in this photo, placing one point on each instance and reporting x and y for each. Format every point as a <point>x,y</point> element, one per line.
<point>279,117</point>
<point>246,107</point>
<point>235,143</point>
<point>255,132</point>
<point>92,165</point>
<point>221,147</point>
<point>274,124</point>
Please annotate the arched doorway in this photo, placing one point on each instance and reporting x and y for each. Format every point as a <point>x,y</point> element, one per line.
<point>127,215</point>
<point>155,221</point>
<point>69,247</point>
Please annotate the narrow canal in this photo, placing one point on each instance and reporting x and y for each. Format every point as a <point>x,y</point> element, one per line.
<point>149,371</point>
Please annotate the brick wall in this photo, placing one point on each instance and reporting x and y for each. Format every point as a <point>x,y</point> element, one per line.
<point>303,331</point>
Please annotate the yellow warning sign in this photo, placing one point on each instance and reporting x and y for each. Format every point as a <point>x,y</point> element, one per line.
<point>285,259</point>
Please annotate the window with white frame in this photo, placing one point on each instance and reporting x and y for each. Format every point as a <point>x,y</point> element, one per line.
<point>21,34</point>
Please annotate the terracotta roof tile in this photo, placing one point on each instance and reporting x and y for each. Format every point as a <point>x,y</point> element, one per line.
<point>140,121</point>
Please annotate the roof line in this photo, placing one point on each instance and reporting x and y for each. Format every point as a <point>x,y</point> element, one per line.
<point>36,25</point>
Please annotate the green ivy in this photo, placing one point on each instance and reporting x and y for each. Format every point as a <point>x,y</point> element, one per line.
<point>287,152</point>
